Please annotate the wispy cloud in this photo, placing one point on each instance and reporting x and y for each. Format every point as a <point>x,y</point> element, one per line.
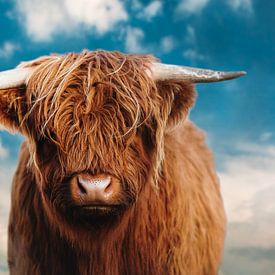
<point>150,11</point>
<point>193,55</point>
<point>153,9</point>
<point>167,44</point>
<point>191,52</point>
<point>190,36</point>
<point>248,187</point>
<point>5,183</point>
<point>241,5</point>
<point>3,151</point>
<point>7,49</point>
<point>134,40</point>
<point>191,6</point>
<point>43,19</point>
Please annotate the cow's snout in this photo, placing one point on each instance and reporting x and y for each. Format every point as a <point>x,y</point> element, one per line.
<point>95,190</point>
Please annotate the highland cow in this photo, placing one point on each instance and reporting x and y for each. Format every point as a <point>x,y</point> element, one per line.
<point>113,178</point>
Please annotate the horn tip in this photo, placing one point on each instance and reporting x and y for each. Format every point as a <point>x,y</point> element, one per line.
<point>242,73</point>
<point>238,74</point>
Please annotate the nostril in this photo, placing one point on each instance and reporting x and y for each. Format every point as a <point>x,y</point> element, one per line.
<point>81,188</point>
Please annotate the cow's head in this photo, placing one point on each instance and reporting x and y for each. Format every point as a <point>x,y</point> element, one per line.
<point>95,124</point>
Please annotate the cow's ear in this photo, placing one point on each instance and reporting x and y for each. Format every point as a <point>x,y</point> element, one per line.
<point>12,108</point>
<point>178,97</point>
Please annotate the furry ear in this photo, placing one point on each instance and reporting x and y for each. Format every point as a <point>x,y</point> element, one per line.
<point>178,97</point>
<point>12,108</point>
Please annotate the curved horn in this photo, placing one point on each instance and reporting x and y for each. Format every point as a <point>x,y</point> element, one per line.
<point>14,78</point>
<point>164,72</point>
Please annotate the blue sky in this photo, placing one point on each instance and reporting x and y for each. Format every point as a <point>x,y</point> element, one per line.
<point>237,116</point>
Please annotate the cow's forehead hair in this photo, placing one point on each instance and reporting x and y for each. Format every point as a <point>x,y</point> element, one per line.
<point>73,94</point>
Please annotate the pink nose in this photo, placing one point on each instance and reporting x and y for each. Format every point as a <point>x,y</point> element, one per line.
<point>95,189</point>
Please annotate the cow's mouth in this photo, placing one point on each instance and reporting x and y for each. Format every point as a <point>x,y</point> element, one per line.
<point>91,210</point>
<point>96,216</point>
<point>100,209</point>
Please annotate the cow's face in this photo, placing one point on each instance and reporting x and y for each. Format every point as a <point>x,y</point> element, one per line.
<point>95,124</point>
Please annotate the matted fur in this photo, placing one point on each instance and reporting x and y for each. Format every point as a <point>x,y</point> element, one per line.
<point>101,112</point>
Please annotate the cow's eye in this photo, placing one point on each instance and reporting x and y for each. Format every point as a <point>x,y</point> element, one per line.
<point>51,136</point>
<point>45,149</point>
<point>147,138</point>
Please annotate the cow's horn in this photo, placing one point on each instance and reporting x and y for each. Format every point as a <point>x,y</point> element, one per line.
<point>165,72</point>
<point>14,78</point>
<point>17,77</point>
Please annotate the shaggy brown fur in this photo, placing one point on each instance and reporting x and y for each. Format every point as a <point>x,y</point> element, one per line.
<point>100,112</point>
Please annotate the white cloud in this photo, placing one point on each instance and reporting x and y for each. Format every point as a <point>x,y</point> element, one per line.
<point>42,19</point>
<point>148,12</point>
<point>136,5</point>
<point>8,49</point>
<point>3,151</point>
<point>134,39</point>
<point>191,6</point>
<point>241,5</point>
<point>190,35</point>
<point>167,44</point>
<point>248,188</point>
<point>135,42</point>
<point>193,55</point>
<point>152,10</point>
<point>187,7</point>
<point>5,183</point>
